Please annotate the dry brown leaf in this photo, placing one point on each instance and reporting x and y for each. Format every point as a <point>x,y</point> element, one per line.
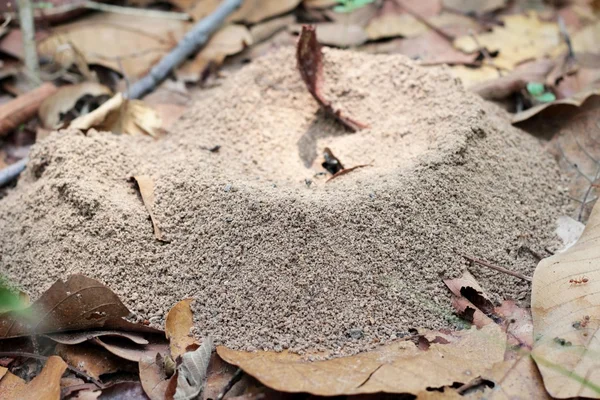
<point>121,116</point>
<point>514,379</point>
<point>522,38</point>
<point>396,368</point>
<point>577,100</point>
<point>146,187</point>
<point>218,375</point>
<point>265,30</point>
<point>227,41</point>
<point>80,303</point>
<point>65,99</point>
<point>93,360</point>
<point>45,386</point>
<point>119,42</point>
<point>154,379</point>
<point>477,7</point>
<point>310,65</point>
<point>178,325</point>
<point>566,317</point>
<point>337,34</point>
<point>131,351</point>
<point>251,11</point>
<point>80,337</point>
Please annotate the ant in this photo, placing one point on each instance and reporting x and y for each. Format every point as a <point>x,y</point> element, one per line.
<point>579,281</point>
<point>583,323</point>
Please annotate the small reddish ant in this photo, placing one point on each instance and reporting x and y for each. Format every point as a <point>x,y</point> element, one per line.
<point>579,281</point>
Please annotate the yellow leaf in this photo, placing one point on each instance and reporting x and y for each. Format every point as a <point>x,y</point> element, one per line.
<point>522,38</point>
<point>178,324</point>
<point>396,368</point>
<point>120,115</point>
<point>566,316</point>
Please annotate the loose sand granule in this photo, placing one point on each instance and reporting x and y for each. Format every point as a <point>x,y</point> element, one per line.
<point>276,257</point>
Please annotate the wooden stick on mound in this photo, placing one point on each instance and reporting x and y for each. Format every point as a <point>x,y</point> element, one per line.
<point>310,65</point>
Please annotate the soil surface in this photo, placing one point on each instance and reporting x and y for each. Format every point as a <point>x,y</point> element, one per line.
<point>276,256</point>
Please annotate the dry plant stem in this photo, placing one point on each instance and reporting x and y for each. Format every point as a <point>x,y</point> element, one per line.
<point>28,30</point>
<point>234,379</point>
<point>190,43</point>
<point>44,358</point>
<point>497,268</point>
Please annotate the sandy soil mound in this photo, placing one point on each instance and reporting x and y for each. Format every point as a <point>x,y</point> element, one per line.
<point>276,257</point>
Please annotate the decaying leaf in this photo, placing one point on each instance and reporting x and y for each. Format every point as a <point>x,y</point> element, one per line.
<point>400,367</point>
<point>131,351</point>
<point>79,303</point>
<point>227,41</point>
<point>251,11</point>
<point>178,324</point>
<point>146,187</point>
<point>219,374</point>
<point>121,116</point>
<point>310,65</point>
<point>93,360</point>
<point>77,99</point>
<point>134,44</point>
<point>192,371</point>
<point>154,380</point>
<point>566,317</point>
<point>522,38</point>
<point>45,386</point>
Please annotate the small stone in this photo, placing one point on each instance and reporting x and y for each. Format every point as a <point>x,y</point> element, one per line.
<point>228,187</point>
<point>356,333</point>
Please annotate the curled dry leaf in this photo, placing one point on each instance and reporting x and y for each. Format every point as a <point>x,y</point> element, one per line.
<point>566,317</point>
<point>53,109</point>
<point>522,38</point>
<point>146,187</point>
<point>396,368</point>
<point>191,373</point>
<point>80,337</point>
<point>45,386</point>
<point>154,379</point>
<point>93,360</point>
<point>131,351</point>
<point>79,303</point>
<point>178,324</point>
<point>310,65</point>
<point>122,116</point>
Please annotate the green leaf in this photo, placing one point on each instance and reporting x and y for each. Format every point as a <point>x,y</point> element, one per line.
<point>546,97</point>
<point>535,88</point>
<point>347,6</point>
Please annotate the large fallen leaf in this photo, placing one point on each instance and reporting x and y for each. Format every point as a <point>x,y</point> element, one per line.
<point>79,303</point>
<point>219,374</point>
<point>93,360</point>
<point>396,368</point>
<point>119,42</point>
<point>522,38</point>
<point>45,386</point>
<point>227,41</point>
<point>53,109</point>
<point>251,11</point>
<point>121,116</point>
<point>192,371</point>
<point>310,65</point>
<point>565,303</point>
<point>178,325</point>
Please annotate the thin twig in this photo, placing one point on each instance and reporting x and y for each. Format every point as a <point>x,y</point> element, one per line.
<point>234,379</point>
<point>32,63</point>
<point>497,268</point>
<point>44,358</point>
<point>12,171</point>
<point>190,43</point>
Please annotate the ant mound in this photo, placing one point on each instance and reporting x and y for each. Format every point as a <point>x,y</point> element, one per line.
<point>277,256</point>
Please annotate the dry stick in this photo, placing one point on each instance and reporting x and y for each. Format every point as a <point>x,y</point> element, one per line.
<point>234,379</point>
<point>44,358</point>
<point>190,43</point>
<point>497,268</point>
<point>23,108</point>
<point>194,39</point>
<point>28,31</point>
